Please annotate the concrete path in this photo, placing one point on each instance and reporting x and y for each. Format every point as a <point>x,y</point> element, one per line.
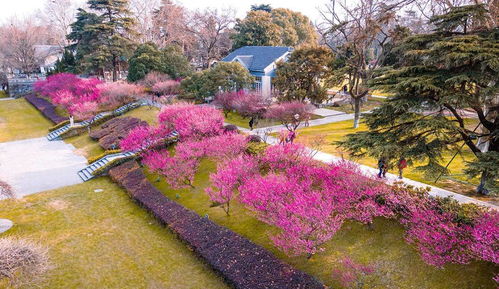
<point>7,98</point>
<point>390,178</point>
<point>35,165</point>
<point>327,112</point>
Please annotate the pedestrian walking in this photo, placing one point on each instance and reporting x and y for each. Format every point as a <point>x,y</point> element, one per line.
<point>251,122</point>
<point>381,167</point>
<point>307,118</point>
<point>402,164</point>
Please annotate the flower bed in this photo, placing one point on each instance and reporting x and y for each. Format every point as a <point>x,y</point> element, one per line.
<point>114,130</point>
<point>242,263</point>
<point>46,108</point>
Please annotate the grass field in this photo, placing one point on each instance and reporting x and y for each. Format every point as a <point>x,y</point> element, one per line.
<point>398,265</point>
<point>104,240</point>
<point>367,106</point>
<point>19,120</point>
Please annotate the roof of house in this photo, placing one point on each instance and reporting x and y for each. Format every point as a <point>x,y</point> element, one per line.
<point>257,58</point>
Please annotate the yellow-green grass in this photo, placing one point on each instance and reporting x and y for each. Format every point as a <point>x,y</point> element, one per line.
<point>238,120</point>
<point>20,120</point>
<point>398,264</point>
<point>3,94</point>
<point>146,113</point>
<point>104,240</point>
<point>337,131</point>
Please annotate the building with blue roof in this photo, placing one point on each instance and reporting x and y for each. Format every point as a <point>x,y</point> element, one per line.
<point>261,63</point>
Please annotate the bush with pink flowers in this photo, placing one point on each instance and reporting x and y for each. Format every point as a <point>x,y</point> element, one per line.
<point>115,94</point>
<point>167,87</point>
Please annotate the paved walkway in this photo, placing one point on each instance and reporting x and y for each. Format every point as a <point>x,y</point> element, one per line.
<point>327,112</point>
<point>390,178</point>
<point>7,98</point>
<point>35,165</point>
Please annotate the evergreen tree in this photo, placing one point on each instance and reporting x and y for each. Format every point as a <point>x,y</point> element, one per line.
<point>67,63</point>
<point>174,62</point>
<point>146,58</point>
<point>437,77</point>
<point>103,38</point>
<point>262,7</point>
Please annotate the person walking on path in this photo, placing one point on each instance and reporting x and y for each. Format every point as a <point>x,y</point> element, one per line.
<point>251,122</point>
<point>382,166</point>
<point>402,164</point>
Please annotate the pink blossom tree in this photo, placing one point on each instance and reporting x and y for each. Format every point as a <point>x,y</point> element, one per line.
<point>143,137</point>
<point>227,179</point>
<point>290,114</point>
<point>115,94</point>
<point>167,87</point>
<point>192,121</point>
<point>178,173</point>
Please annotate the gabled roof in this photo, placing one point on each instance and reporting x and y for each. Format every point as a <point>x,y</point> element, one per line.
<point>257,58</point>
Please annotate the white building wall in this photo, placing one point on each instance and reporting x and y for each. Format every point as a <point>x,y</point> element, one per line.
<point>266,86</point>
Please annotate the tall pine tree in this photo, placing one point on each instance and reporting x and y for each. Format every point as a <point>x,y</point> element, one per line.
<point>103,36</point>
<point>440,79</point>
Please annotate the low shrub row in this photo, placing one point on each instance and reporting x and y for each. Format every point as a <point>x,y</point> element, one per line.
<point>45,107</point>
<point>115,162</point>
<point>59,125</point>
<point>99,156</point>
<point>113,131</point>
<point>242,263</point>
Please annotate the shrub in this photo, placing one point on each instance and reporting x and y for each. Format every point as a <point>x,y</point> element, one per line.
<point>115,94</point>
<point>99,156</point>
<point>59,125</point>
<point>46,108</point>
<point>242,263</point>
<point>152,78</point>
<point>230,128</point>
<point>167,87</point>
<point>256,148</point>
<point>22,263</point>
<point>6,190</point>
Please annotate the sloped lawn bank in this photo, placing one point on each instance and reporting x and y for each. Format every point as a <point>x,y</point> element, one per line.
<point>398,265</point>
<point>102,240</point>
<point>242,263</point>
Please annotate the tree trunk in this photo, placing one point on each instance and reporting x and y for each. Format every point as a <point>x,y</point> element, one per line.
<point>115,73</point>
<point>356,118</point>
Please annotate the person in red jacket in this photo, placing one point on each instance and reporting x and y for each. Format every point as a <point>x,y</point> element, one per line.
<point>402,164</point>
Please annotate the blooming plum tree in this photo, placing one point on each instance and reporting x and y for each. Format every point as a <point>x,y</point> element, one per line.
<point>290,114</point>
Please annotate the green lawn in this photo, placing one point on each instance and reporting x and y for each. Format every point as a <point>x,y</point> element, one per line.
<point>3,94</point>
<point>19,120</point>
<point>236,119</point>
<point>398,264</point>
<point>104,240</point>
<point>336,131</point>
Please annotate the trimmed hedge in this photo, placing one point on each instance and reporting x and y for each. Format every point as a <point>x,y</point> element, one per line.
<point>242,263</point>
<point>59,125</point>
<point>45,107</point>
<point>99,156</point>
<point>113,131</point>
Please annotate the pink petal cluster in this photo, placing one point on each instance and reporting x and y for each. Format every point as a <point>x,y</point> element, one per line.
<point>247,104</point>
<point>290,114</point>
<point>192,121</point>
<point>115,94</point>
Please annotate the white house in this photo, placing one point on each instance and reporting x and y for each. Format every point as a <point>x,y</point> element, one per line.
<point>261,63</point>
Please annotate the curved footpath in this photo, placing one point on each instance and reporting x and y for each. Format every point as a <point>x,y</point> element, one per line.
<point>331,116</point>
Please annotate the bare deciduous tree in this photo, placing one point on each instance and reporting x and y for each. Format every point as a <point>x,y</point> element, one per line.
<point>59,14</point>
<point>6,190</point>
<point>144,13</point>
<point>17,44</point>
<point>357,32</point>
<point>211,30</point>
<point>170,26</point>
<point>22,263</point>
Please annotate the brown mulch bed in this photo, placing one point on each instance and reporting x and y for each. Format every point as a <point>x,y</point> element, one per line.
<point>113,131</point>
